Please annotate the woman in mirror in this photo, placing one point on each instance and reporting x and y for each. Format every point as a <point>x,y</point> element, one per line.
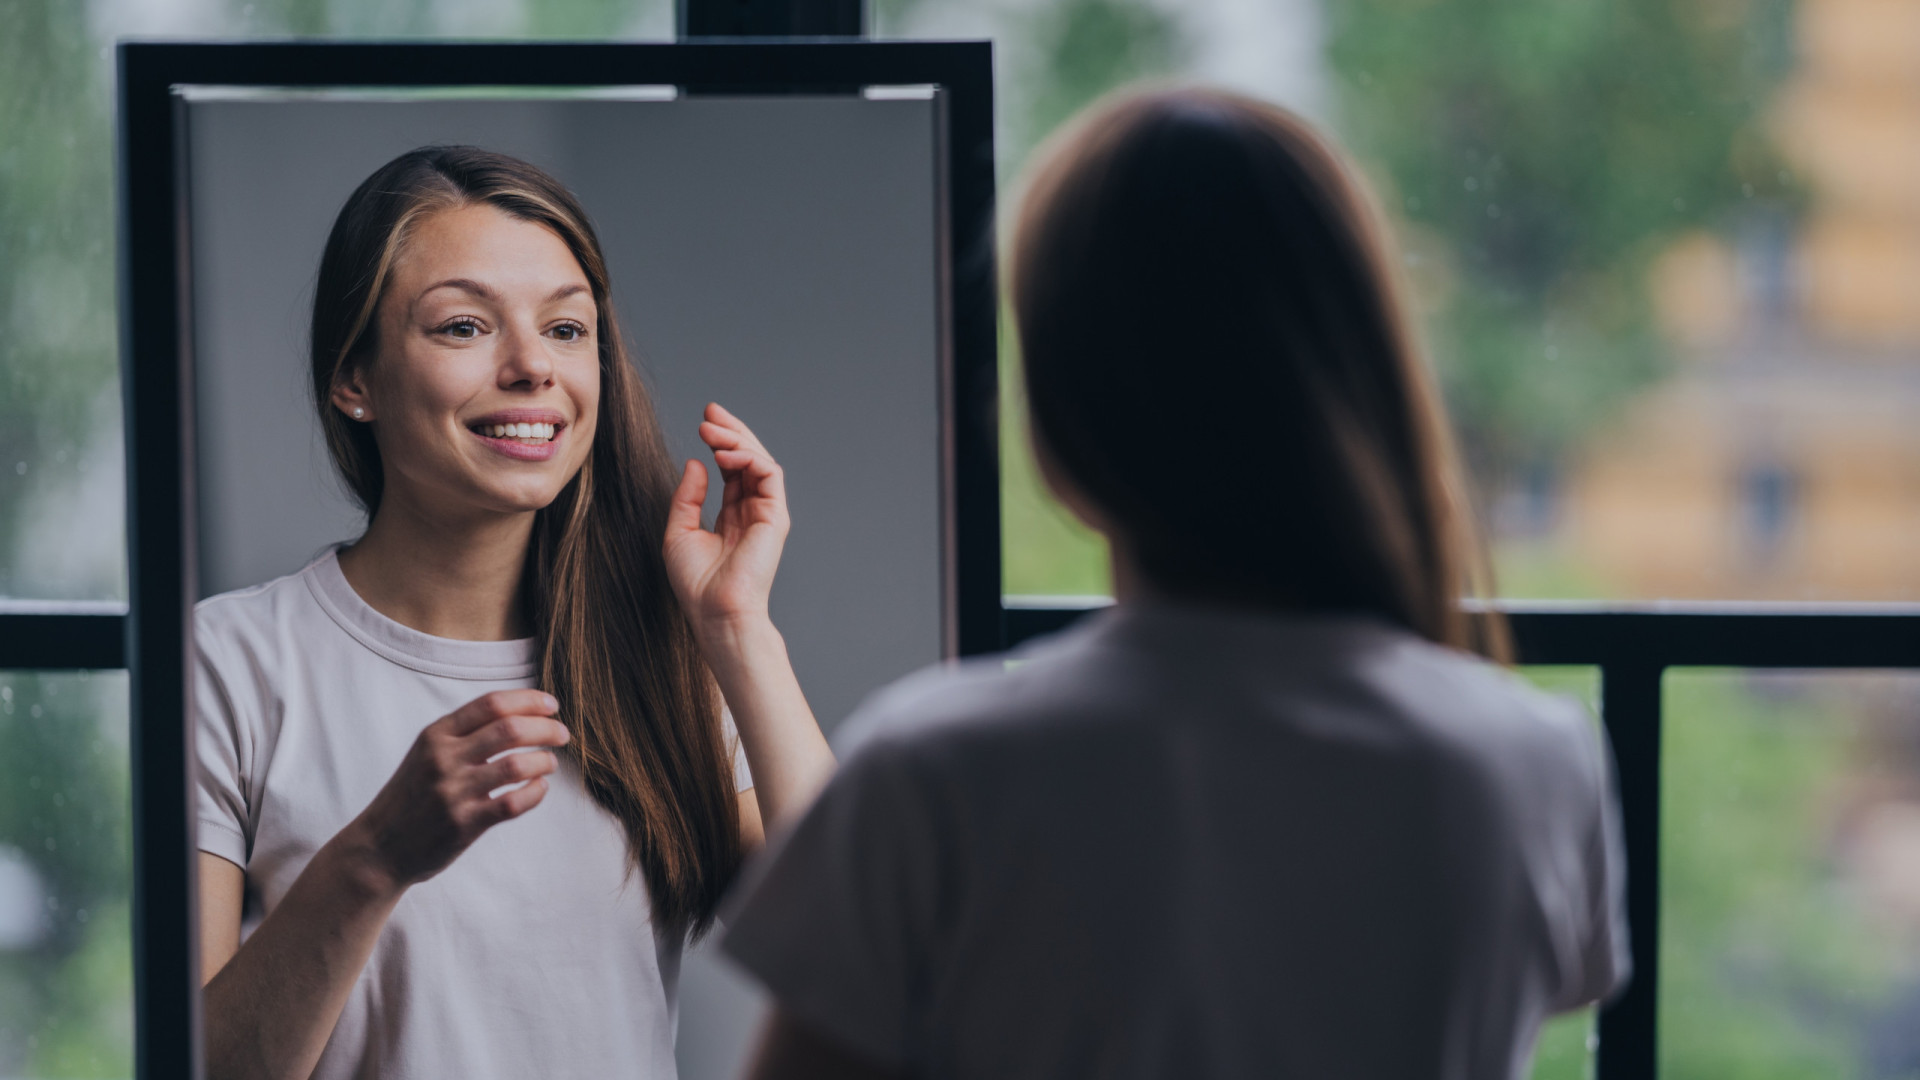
<point>469,784</point>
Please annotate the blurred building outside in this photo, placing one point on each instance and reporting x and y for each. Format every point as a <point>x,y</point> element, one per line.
<point>1781,458</point>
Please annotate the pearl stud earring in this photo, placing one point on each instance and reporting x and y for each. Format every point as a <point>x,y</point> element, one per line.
<point>358,412</point>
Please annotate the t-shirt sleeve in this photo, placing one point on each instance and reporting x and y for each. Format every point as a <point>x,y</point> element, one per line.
<point>222,747</point>
<point>1606,959</point>
<point>742,775</point>
<point>839,918</point>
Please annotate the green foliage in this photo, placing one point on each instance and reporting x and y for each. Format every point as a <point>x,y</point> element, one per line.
<point>57,340</point>
<point>1766,965</point>
<point>1047,550</point>
<point>1082,49</point>
<point>66,810</point>
<point>1564,1050</point>
<point>1552,149</point>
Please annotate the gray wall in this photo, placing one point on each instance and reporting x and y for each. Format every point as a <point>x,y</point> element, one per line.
<point>777,255</point>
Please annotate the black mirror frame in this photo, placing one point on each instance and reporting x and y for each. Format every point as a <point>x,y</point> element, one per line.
<point>156,378</point>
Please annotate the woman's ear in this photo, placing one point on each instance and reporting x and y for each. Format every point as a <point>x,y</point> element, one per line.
<point>351,397</point>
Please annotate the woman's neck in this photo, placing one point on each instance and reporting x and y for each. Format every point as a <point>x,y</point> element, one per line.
<point>453,580</point>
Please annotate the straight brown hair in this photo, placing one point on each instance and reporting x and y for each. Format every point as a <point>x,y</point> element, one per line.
<point>1216,355</point>
<point>616,648</point>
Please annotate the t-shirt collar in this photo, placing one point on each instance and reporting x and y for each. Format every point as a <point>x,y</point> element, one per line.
<point>410,648</point>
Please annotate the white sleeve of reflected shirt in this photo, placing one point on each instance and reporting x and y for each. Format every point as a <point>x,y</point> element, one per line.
<point>742,775</point>
<point>222,746</point>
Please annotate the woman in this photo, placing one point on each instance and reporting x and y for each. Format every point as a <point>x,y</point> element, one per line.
<point>1269,816</point>
<point>467,781</point>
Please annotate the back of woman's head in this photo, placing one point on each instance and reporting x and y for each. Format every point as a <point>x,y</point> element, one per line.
<point>1216,360</point>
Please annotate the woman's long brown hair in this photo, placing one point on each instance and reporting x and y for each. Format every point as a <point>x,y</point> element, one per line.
<point>616,648</point>
<point>1215,354</point>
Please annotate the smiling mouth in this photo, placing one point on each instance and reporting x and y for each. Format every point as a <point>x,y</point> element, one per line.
<point>528,434</point>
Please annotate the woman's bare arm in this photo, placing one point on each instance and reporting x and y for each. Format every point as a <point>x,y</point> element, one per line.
<point>787,753</point>
<point>753,831</point>
<point>271,1003</point>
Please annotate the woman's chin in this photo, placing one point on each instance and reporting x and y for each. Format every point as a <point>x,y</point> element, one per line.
<point>521,499</point>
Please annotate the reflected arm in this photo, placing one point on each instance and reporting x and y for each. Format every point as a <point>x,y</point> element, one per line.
<point>272,1003</point>
<point>787,753</point>
<point>753,832</point>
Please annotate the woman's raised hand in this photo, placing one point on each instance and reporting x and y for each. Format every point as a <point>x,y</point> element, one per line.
<point>723,576</point>
<point>438,801</point>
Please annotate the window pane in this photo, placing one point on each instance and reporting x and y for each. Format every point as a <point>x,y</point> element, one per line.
<point>1664,254</point>
<point>61,517</point>
<point>66,959</point>
<point>1790,906</point>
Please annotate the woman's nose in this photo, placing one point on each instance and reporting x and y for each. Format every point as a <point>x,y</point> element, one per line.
<point>523,360</point>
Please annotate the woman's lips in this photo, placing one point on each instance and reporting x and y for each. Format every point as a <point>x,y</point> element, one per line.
<point>523,449</point>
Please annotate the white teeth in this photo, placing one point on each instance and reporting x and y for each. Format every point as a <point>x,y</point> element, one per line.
<point>518,431</point>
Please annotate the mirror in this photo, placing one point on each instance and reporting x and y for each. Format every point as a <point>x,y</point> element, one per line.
<point>784,255</point>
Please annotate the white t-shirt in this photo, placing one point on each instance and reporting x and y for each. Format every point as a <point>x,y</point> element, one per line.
<point>1186,842</point>
<point>533,954</point>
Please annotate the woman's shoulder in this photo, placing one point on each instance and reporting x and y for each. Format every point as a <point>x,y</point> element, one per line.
<point>1011,694</point>
<point>1451,685</point>
<point>1489,721</point>
<point>256,613</point>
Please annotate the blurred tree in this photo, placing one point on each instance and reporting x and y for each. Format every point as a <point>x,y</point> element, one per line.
<point>1549,151</point>
<point>57,339</point>
<point>63,808</point>
<point>65,811</point>
<point>1077,50</point>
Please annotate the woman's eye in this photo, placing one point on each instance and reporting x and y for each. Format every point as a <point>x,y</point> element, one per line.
<point>464,330</point>
<point>570,332</point>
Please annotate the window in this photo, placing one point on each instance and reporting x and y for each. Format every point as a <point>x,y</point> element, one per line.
<point>65,876</point>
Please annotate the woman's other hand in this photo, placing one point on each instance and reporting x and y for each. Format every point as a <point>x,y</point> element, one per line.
<point>723,576</point>
<point>440,799</point>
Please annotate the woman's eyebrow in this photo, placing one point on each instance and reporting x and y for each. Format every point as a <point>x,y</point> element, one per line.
<point>479,289</point>
<point>487,292</point>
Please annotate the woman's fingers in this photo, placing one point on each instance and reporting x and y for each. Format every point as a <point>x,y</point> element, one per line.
<point>683,514</point>
<point>488,708</point>
<point>512,769</point>
<point>723,430</point>
<point>754,475</point>
<point>717,414</point>
<point>720,437</point>
<point>512,732</point>
<point>754,464</point>
<point>512,804</point>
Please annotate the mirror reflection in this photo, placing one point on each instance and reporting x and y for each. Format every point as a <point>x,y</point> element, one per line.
<point>468,736</point>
